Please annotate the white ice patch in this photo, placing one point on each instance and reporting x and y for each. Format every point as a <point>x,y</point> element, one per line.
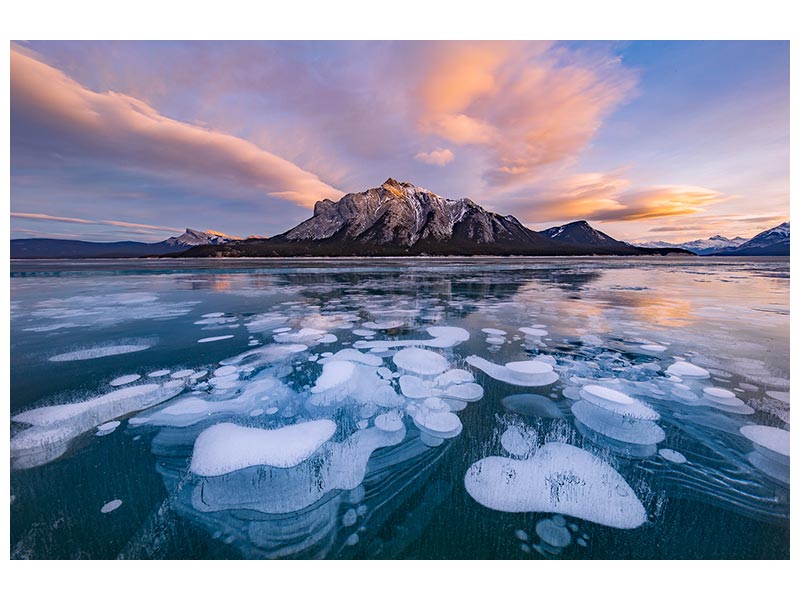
<point>537,375</point>
<point>443,337</point>
<point>533,332</point>
<point>553,534</point>
<point>618,426</point>
<point>351,355</point>
<point>682,368</point>
<point>672,456</point>
<point>335,373</point>
<point>107,428</point>
<point>517,441</point>
<point>54,427</point>
<point>419,361</point>
<point>159,373</point>
<point>111,506</point>
<point>653,347</point>
<point>99,352</point>
<point>771,438</point>
<point>559,478</point>
<point>494,332</point>
<point>390,422</point>
<point>214,339</point>
<point>124,380</point>
<point>226,447</point>
<point>617,402</point>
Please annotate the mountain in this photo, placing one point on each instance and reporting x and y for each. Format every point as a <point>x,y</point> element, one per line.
<point>772,242</point>
<point>580,233</point>
<point>399,219</point>
<point>56,248</point>
<point>711,245</point>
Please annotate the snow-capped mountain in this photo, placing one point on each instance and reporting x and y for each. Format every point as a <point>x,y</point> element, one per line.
<point>580,233</point>
<point>192,237</point>
<point>710,245</point>
<point>404,215</point>
<point>772,242</point>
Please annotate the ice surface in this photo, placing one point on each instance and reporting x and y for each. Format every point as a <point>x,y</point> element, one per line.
<point>419,361</point>
<point>99,352</point>
<point>214,339</point>
<point>226,447</point>
<point>539,375</point>
<point>124,380</point>
<point>111,506</point>
<point>682,368</point>
<point>559,478</point>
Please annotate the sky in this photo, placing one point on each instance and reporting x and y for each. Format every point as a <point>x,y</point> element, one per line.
<point>647,141</point>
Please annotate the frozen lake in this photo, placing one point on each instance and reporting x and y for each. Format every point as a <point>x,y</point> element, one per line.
<point>429,408</point>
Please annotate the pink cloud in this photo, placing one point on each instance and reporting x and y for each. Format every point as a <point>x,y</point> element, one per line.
<point>438,157</point>
<point>118,126</point>
<point>44,217</point>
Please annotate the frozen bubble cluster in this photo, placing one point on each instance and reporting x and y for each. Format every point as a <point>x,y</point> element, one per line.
<point>558,478</point>
<point>528,373</point>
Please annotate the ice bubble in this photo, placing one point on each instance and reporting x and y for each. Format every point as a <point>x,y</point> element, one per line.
<point>532,405</point>
<point>672,455</point>
<point>718,394</point>
<point>334,374</point>
<point>352,540</point>
<point>539,375</point>
<point>497,341</point>
<point>307,335</point>
<point>99,352</point>
<point>124,380</point>
<point>466,392</point>
<point>682,368</point>
<point>533,332</point>
<point>368,333</point>
<point>441,424</point>
<point>553,534</point>
<point>653,347</point>
<point>773,469</point>
<point>212,315</point>
<point>581,542</point>
<point>430,440</point>
<point>443,337</point>
<point>214,339</point>
<point>271,410</point>
<point>111,506</point>
<point>107,428</point>
<point>328,338</point>
<point>617,426</point>
<point>494,332</point>
<point>521,535</point>
<point>349,518</point>
<point>182,374</point>
<point>281,330</point>
<point>390,422</point>
<point>517,441</point>
<point>224,371</point>
<point>772,439</point>
<point>159,373</point>
<point>412,386</point>
<point>782,396</point>
<point>419,361</point>
<point>559,478</point>
<point>352,355</point>
<point>384,372</point>
<point>383,325</point>
<point>257,412</point>
<point>453,376</point>
<point>226,447</point>
<point>617,402</point>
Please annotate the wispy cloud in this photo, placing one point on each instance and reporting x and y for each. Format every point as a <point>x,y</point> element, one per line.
<point>62,116</point>
<point>43,217</point>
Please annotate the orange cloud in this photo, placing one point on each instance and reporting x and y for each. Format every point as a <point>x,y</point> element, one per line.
<point>438,157</point>
<point>607,197</point>
<point>528,105</point>
<point>113,125</point>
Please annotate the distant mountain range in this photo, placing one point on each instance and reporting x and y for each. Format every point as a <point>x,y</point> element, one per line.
<point>55,248</point>
<point>772,242</point>
<point>401,219</point>
<point>394,219</point>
